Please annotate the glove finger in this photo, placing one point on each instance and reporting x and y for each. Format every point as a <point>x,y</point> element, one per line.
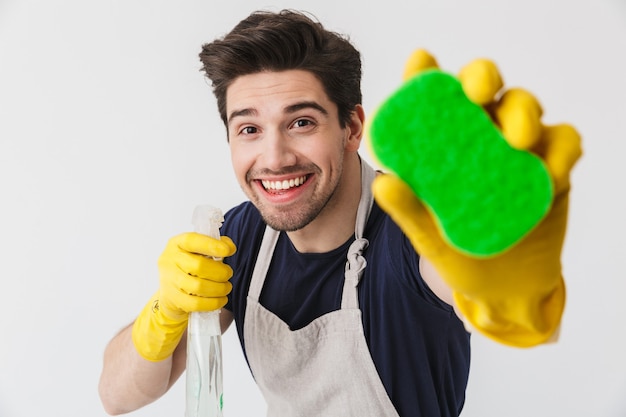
<point>396,198</point>
<point>205,245</point>
<point>201,266</point>
<point>199,287</point>
<point>231,247</point>
<point>481,81</point>
<point>420,60</point>
<point>211,304</point>
<point>214,270</point>
<point>560,148</point>
<point>211,289</point>
<point>196,295</point>
<point>518,114</point>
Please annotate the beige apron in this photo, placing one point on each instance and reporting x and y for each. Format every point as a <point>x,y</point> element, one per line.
<point>325,368</point>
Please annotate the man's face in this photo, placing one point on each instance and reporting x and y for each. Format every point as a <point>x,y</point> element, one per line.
<point>287,145</point>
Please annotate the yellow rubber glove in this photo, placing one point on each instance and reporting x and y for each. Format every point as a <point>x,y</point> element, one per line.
<point>190,280</point>
<point>517,297</point>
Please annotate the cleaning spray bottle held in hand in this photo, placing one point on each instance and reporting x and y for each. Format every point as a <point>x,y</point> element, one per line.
<point>190,279</point>
<point>204,338</point>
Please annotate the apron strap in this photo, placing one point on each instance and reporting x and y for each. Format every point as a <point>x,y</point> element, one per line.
<point>263,260</point>
<point>356,263</point>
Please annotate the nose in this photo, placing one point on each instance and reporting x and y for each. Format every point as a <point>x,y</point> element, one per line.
<point>278,151</point>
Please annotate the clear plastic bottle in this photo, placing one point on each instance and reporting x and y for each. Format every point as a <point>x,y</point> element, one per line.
<point>204,339</point>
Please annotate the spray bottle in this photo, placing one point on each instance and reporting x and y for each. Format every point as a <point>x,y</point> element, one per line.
<point>204,339</point>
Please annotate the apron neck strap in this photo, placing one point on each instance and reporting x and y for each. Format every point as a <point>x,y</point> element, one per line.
<point>356,263</point>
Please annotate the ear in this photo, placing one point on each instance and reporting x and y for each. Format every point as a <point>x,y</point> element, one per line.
<point>354,129</point>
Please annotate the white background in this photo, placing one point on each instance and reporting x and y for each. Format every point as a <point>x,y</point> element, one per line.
<point>109,137</point>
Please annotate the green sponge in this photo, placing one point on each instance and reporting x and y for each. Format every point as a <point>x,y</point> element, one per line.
<point>484,195</point>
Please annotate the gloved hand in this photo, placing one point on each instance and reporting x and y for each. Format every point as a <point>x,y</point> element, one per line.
<point>515,297</point>
<point>191,279</point>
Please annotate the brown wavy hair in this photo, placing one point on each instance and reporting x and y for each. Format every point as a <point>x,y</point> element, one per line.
<point>285,40</point>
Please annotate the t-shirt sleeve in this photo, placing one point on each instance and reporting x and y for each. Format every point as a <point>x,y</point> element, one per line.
<point>405,260</point>
<point>243,224</point>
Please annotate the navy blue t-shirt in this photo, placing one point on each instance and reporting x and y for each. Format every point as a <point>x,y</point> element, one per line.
<point>419,346</point>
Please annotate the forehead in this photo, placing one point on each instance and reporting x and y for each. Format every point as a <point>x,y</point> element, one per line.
<point>254,90</point>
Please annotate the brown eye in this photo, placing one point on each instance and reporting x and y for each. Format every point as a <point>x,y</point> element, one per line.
<point>302,123</point>
<point>249,130</point>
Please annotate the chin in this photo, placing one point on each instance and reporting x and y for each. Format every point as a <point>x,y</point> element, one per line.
<point>286,221</point>
<point>285,224</point>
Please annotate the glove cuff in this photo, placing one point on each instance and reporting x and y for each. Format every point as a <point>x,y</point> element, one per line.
<point>154,335</point>
<point>519,322</point>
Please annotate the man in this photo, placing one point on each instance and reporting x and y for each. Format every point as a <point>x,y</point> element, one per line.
<point>336,311</point>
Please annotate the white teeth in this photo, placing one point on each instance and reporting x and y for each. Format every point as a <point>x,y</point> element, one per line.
<point>283,185</point>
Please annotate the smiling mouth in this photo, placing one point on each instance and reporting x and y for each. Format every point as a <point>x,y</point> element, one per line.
<point>284,184</point>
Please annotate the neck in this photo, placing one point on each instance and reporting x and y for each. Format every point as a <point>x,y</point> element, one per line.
<point>335,223</point>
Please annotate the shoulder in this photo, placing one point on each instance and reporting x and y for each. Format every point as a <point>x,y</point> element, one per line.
<point>394,257</point>
<point>240,218</point>
<point>388,245</point>
<point>245,226</point>
<point>387,239</point>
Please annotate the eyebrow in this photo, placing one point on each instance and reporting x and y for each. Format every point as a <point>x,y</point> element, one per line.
<point>306,105</point>
<point>242,112</point>
<point>289,109</point>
